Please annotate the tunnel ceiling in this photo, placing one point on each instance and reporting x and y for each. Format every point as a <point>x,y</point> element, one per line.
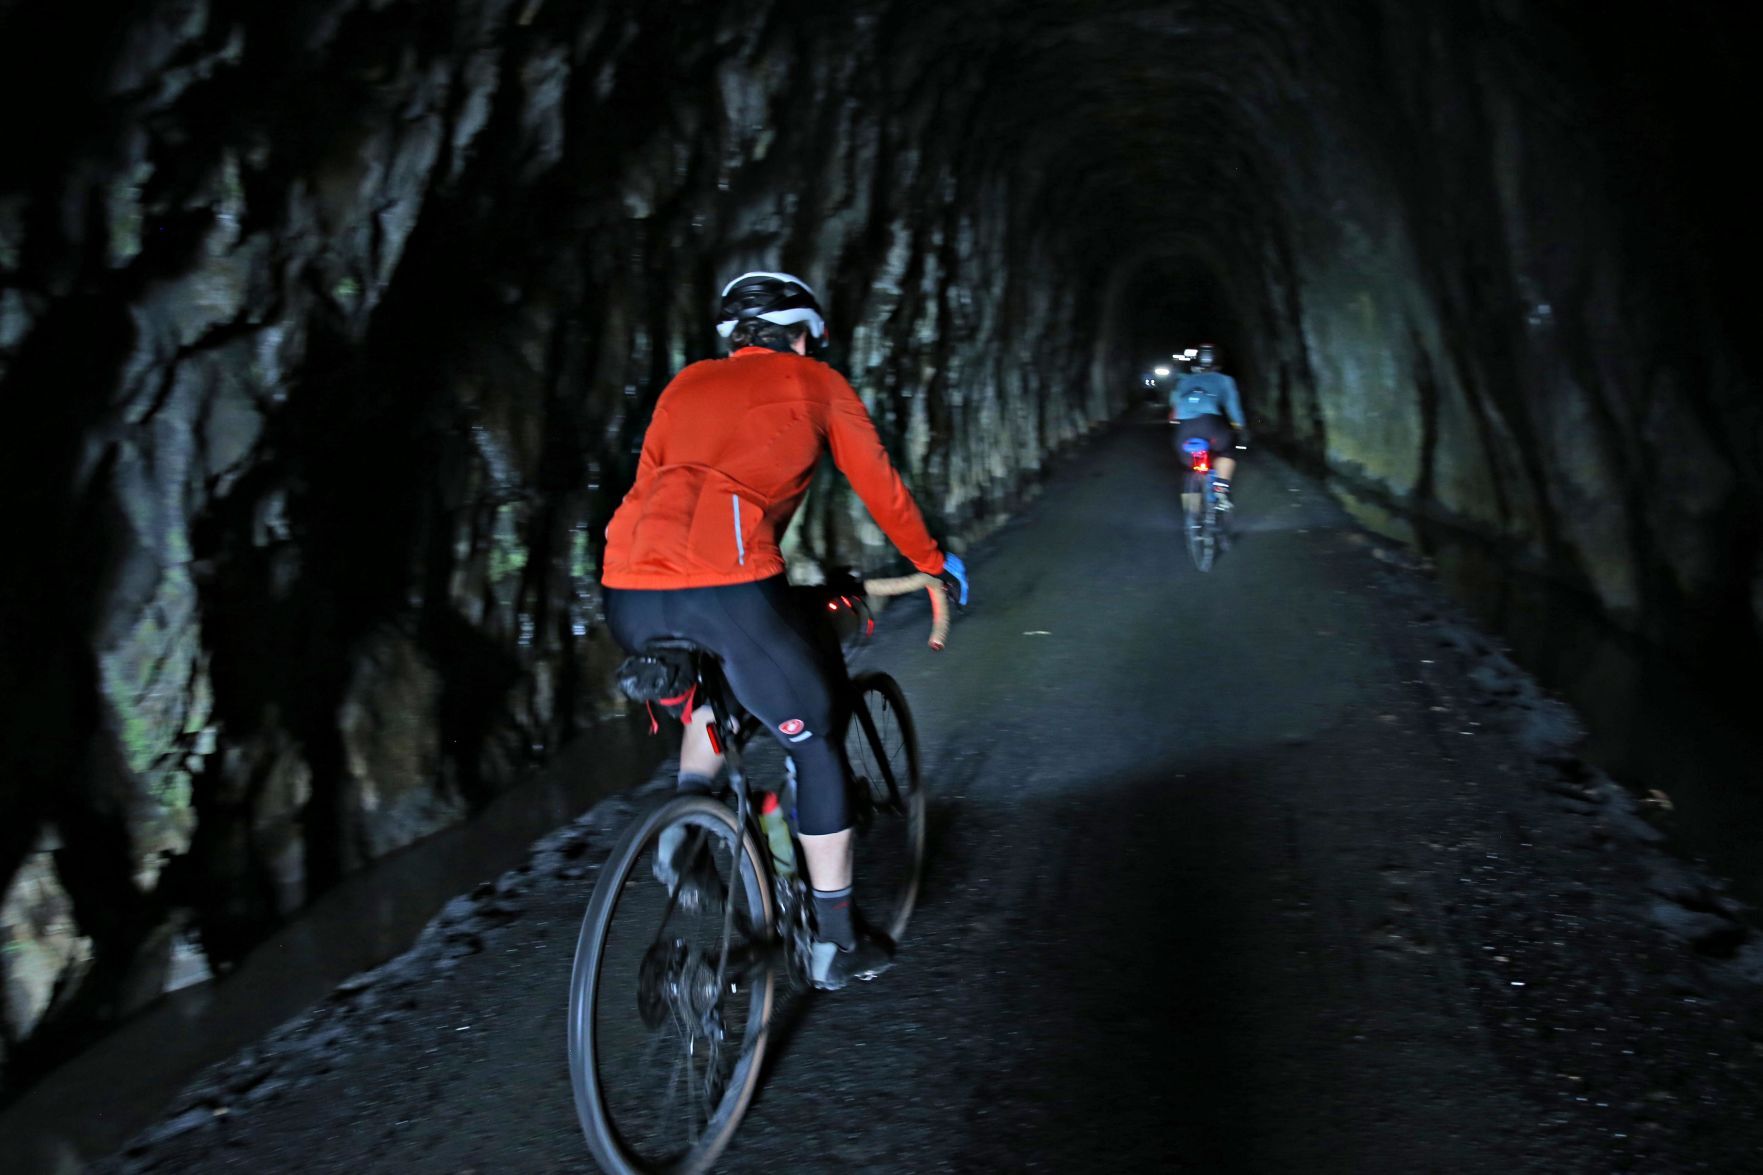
<point>338,323</point>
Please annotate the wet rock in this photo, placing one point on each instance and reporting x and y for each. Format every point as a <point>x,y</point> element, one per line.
<point>1708,932</point>
<point>265,1091</point>
<point>199,1118</point>
<point>1618,818</point>
<point>40,943</point>
<point>392,749</point>
<point>1498,678</point>
<point>464,942</point>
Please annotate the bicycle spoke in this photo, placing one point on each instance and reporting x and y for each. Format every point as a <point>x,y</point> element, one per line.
<point>671,1094</point>
<point>681,1060</point>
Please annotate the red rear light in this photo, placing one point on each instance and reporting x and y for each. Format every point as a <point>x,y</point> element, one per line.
<point>1202,462</point>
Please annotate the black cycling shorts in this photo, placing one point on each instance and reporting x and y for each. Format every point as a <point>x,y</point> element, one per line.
<point>779,666</point>
<point>1216,429</point>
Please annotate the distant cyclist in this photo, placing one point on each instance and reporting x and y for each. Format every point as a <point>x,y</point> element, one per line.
<point>1205,403</point>
<point>693,551</point>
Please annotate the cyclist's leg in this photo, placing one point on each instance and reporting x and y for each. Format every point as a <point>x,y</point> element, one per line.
<point>780,673</point>
<point>776,670</point>
<point>1222,439</point>
<point>699,760</point>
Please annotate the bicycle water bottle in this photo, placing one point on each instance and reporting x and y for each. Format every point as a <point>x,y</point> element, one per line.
<point>777,835</point>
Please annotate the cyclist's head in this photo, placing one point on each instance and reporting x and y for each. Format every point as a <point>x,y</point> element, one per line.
<point>770,310</point>
<point>1206,358</point>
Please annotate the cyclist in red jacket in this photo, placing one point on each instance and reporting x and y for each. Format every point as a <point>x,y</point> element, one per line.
<point>693,551</point>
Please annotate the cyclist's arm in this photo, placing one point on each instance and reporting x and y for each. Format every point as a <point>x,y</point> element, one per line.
<point>858,452</point>
<point>1233,404</point>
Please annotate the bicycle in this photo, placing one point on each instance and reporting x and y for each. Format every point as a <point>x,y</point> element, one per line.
<point>1205,526</point>
<point>703,1003</point>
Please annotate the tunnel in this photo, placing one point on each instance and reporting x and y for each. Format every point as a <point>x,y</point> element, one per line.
<point>330,332</point>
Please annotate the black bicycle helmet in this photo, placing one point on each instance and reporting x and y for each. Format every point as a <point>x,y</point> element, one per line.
<point>772,297</point>
<point>1206,358</point>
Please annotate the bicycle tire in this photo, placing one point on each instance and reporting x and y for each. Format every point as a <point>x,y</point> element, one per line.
<point>619,878</point>
<point>1197,514</point>
<point>889,818</point>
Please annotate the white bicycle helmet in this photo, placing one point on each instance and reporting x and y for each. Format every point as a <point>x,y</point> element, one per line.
<point>773,297</point>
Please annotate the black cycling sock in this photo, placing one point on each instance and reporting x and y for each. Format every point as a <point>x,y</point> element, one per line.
<point>832,918</point>
<point>692,783</point>
<point>1221,484</point>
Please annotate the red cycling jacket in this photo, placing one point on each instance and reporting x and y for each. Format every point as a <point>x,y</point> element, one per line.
<point>727,458</point>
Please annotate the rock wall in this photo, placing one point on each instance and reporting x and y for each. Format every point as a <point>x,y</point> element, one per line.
<point>340,322</point>
<point>329,329</point>
<point>1528,336</point>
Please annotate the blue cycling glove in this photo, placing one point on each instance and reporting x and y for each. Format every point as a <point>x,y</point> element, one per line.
<point>955,574</point>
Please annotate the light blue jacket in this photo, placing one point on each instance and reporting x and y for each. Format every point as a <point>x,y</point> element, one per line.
<point>1207,393</point>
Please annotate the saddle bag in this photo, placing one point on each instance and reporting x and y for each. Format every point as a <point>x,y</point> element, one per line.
<point>663,676</point>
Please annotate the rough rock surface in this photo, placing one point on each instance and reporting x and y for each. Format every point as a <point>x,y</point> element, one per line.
<point>339,319</point>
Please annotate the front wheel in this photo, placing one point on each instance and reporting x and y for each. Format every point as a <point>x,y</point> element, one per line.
<point>672,990</point>
<point>887,804</point>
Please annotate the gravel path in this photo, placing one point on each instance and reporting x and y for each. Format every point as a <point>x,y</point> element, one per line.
<point>1281,868</point>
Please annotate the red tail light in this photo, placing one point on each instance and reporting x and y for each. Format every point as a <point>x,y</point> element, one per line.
<point>1202,461</point>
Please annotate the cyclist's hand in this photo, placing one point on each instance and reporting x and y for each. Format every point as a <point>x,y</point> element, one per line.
<point>955,575</point>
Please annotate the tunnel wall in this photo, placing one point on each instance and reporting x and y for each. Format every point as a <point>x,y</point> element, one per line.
<point>1505,292</point>
<point>341,322</point>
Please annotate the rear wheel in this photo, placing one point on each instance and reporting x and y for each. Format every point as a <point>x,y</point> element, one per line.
<point>672,992</point>
<point>887,805</point>
<point>1199,520</point>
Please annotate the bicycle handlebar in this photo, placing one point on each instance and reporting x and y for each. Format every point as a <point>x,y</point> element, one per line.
<point>880,589</point>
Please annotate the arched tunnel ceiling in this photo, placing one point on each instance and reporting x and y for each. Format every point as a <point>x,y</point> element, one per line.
<point>1148,134</point>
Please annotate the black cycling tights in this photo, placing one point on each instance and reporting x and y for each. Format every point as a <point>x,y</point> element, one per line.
<point>777,667</point>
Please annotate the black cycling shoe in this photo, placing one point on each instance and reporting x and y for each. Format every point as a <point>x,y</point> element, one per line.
<point>831,967</point>
<point>683,865</point>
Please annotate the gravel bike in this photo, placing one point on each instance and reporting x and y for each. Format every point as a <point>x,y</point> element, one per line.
<point>673,992</point>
